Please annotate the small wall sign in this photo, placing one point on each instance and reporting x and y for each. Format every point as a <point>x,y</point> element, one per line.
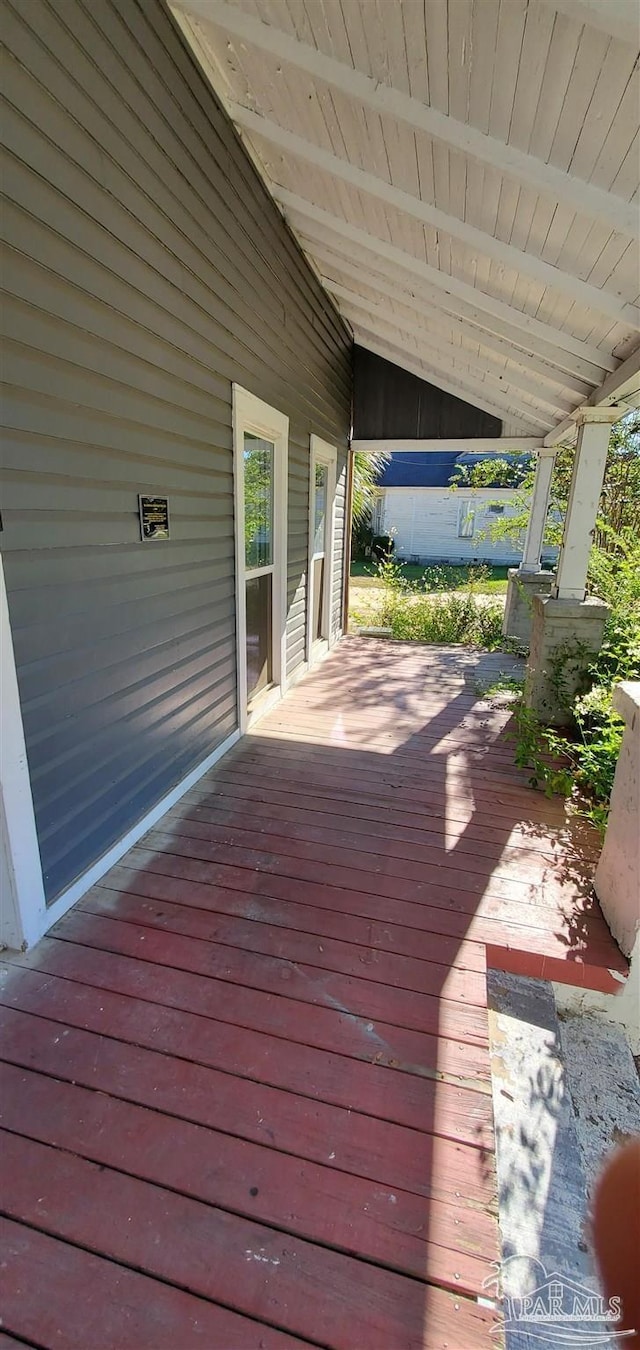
<point>154,517</point>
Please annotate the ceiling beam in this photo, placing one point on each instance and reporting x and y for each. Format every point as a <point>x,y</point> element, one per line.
<point>624,384</point>
<point>619,18</point>
<point>449,381</point>
<point>510,400</point>
<point>441,324</point>
<point>568,370</point>
<point>511,375</point>
<point>482,445</point>
<point>526,264</point>
<point>623,387</point>
<point>469,140</point>
<point>321,224</point>
<point>458,360</point>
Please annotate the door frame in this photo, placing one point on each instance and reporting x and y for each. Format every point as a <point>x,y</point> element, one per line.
<point>321,452</point>
<point>22,901</point>
<point>252,415</point>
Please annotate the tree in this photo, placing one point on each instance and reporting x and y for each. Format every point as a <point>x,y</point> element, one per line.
<point>618,521</point>
<point>366,472</point>
<point>620,502</point>
<point>492,473</point>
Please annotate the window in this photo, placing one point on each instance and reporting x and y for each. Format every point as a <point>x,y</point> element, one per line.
<point>258,502</point>
<point>466,520</point>
<point>258,555</point>
<point>320,588</point>
<point>320,507</point>
<point>377,515</point>
<point>260,442</point>
<point>495,509</point>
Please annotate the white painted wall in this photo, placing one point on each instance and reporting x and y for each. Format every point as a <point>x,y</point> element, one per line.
<point>424,521</point>
<point>617,878</point>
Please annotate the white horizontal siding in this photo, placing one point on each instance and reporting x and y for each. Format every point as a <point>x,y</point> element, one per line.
<point>424,523</point>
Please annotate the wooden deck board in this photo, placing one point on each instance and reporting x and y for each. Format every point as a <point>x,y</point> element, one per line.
<point>335,941</point>
<point>426,814</point>
<point>245,1085</point>
<point>567,931</point>
<point>239,801</point>
<point>389,1155</point>
<point>376,1086</point>
<point>293,974</point>
<point>61,1295</point>
<point>308,1290</point>
<point>250,1179</point>
<point>379,854</point>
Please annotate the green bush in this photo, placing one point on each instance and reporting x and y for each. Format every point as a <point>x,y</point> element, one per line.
<point>382,546</point>
<point>587,758</point>
<point>361,540</point>
<point>447,618</point>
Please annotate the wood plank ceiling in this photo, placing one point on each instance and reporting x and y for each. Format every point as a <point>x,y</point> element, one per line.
<point>463,174</point>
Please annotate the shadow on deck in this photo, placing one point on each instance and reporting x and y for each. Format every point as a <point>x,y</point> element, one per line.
<point>246,1083</point>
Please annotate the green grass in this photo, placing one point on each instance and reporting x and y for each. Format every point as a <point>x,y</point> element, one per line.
<point>441,576</point>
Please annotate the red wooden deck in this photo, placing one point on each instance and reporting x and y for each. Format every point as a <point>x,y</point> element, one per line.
<point>245,1082</point>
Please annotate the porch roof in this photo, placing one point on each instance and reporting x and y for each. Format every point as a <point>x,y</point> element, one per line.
<point>463,174</point>
<point>246,1081</point>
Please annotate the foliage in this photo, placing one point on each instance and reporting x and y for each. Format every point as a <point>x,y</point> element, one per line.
<point>587,758</point>
<point>492,473</point>
<point>361,540</point>
<point>619,512</point>
<point>449,617</point>
<point>535,746</point>
<point>504,684</point>
<point>614,572</point>
<point>382,546</point>
<point>366,472</point>
<point>619,509</point>
<point>584,759</point>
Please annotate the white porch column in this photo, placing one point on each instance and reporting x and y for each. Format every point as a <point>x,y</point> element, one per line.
<point>529,579</point>
<point>566,624</point>
<point>538,513</point>
<point>586,485</point>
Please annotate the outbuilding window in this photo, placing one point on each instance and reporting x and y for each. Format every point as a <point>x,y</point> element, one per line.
<point>466,520</point>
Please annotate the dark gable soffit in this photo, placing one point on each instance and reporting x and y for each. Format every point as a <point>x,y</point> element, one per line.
<point>389,402</point>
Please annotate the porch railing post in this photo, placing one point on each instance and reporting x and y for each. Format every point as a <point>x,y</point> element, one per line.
<point>348,532</point>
